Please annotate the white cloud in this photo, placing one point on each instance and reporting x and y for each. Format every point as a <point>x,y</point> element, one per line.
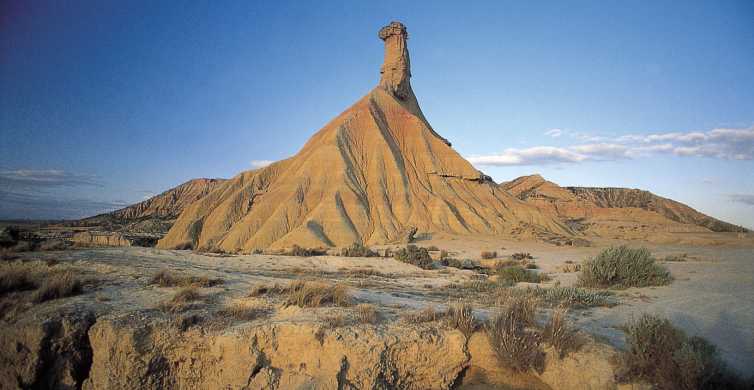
<point>554,133</point>
<point>726,144</point>
<point>36,178</point>
<point>260,163</point>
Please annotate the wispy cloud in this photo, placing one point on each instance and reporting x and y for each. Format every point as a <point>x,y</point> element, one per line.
<point>15,205</point>
<point>727,144</point>
<point>34,178</point>
<point>48,194</point>
<point>554,133</point>
<point>747,199</point>
<point>260,163</point>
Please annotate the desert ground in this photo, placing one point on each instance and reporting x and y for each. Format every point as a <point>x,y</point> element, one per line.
<point>710,296</point>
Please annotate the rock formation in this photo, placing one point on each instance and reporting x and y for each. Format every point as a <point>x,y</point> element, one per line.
<point>613,212</point>
<point>373,173</point>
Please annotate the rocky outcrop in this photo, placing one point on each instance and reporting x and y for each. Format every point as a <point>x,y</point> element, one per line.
<point>46,353</point>
<point>368,176</point>
<point>100,239</point>
<point>275,356</point>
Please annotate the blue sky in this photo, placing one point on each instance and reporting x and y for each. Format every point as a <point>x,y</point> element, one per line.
<point>105,103</point>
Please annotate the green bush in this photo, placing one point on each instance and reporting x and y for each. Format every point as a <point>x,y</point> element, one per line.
<point>664,356</point>
<point>622,267</point>
<point>414,255</point>
<point>358,250</point>
<point>573,297</point>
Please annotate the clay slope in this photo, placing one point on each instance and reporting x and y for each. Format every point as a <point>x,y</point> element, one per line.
<point>164,207</point>
<point>612,211</point>
<point>371,175</point>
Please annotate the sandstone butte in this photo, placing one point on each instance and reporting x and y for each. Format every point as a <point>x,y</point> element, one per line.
<point>375,174</point>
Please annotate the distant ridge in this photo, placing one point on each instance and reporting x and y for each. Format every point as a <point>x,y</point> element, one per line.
<point>606,208</point>
<point>164,207</point>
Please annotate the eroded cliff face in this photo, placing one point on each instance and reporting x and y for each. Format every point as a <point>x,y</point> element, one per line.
<point>141,351</point>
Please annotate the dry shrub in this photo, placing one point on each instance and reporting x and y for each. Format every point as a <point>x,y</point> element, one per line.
<point>531,266</point>
<point>358,250</point>
<point>521,256</point>
<point>428,314</point>
<point>259,290</point>
<point>57,285</point>
<point>181,300</point>
<point>183,323</point>
<point>165,278</point>
<point>622,267</point>
<point>304,252</point>
<point>366,313</point>
<point>486,255</point>
<point>52,245</point>
<point>571,268</point>
<point>516,345</point>
<point>516,274</point>
<point>333,321</point>
<point>574,297</point>
<point>461,316</point>
<point>316,294</point>
<point>7,254</point>
<point>257,251</point>
<point>559,334</point>
<point>676,258</point>
<point>433,248</point>
<point>664,356</point>
<point>16,277</point>
<point>414,255</point>
<point>241,311</point>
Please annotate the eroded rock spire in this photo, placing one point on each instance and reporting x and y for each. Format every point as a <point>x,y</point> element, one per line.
<point>396,69</point>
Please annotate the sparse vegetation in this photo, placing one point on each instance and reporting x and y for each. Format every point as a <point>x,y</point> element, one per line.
<point>414,255</point>
<point>522,256</point>
<point>57,285</point>
<point>334,321</point>
<point>7,254</point>
<point>241,311</point>
<point>516,274</point>
<point>165,278</point>
<point>316,294</point>
<point>433,248</point>
<point>486,255</point>
<point>358,250</point>
<point>49,284</point>
<point>559,334</point>
<point>461,316</point>
<point>516,345</point>
<point>573,296</point>
<point>188,245</point>
<point>531,266</point>
<point>622,267</point>
<point>366,313</point>
<point>304,252</point>
<point>428,314</point>
<point>676,258</point>
<point>181,300</point>
<point>664,356</point>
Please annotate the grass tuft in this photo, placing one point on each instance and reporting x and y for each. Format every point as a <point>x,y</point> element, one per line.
<point>315,294</point>
<point>366,313</point>
<point>559,334</point>
<point>58,285</point>
<point>516,274</point>
<point>461,316</point>
<point>165,278</point>
<point>486,255</point>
